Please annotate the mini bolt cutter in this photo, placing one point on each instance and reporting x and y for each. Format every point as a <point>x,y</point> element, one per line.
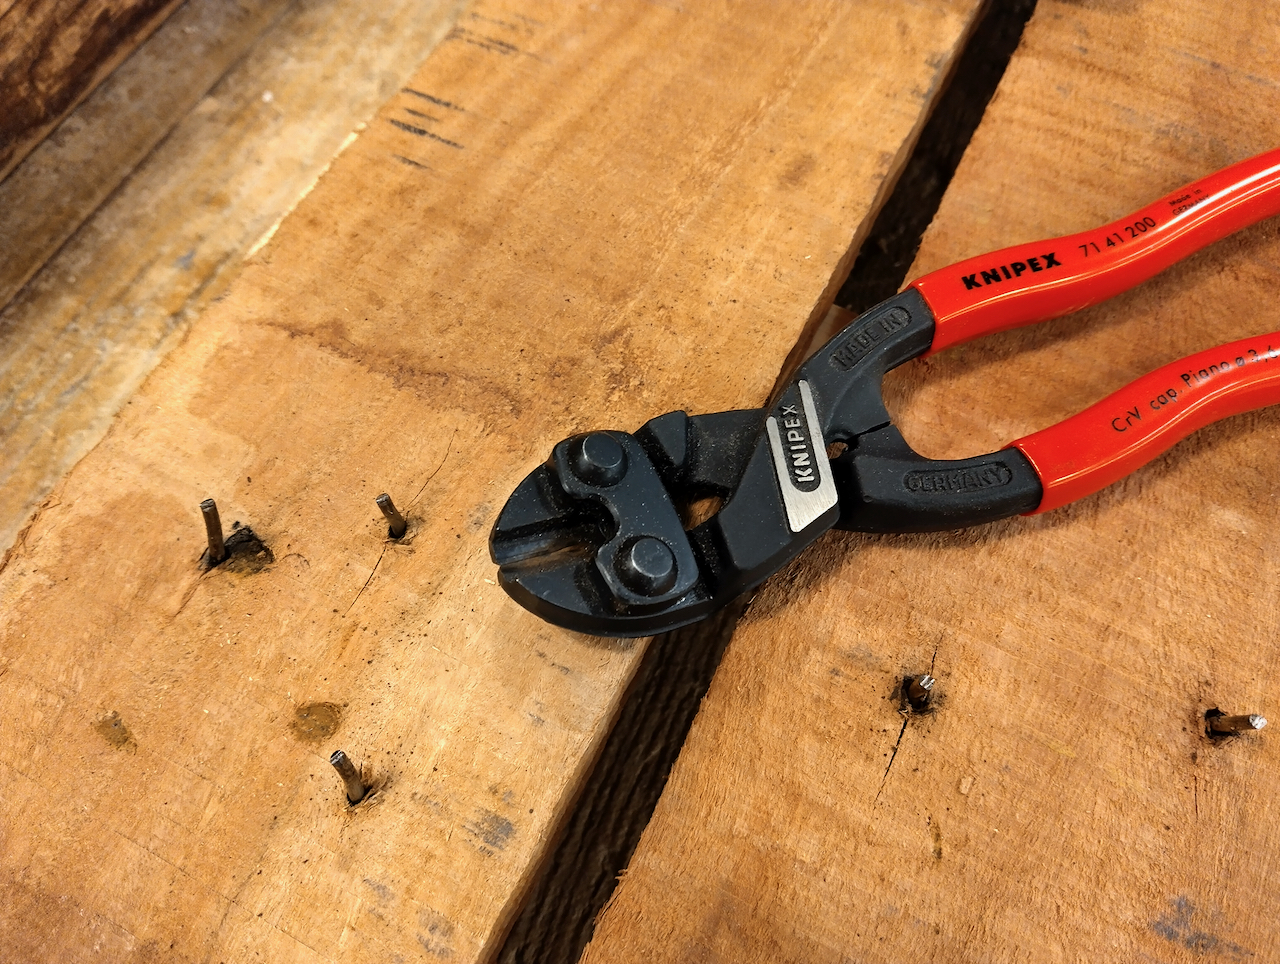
<point>593,540</point>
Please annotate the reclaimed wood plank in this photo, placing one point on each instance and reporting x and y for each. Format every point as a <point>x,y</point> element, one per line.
<point>173,190</point>
<point>1061,801</point>
<point>68,176</point>
<point>570,216</point>
<point>54,52</point>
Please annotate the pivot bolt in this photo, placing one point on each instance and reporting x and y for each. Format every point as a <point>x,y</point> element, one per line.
<point>647,566</point>
<point>599,459</point>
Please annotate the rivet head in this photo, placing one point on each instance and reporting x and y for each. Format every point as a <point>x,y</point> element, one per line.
<point>599,459</point>
<point>647,566</point>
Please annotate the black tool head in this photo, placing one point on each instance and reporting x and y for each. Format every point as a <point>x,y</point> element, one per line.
<point>592,541</point>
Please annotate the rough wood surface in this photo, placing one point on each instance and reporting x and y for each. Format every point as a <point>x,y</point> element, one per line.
<point>53,52</point>
<point>64,180</point>
<point>1061,801</point>
<point>226,147</point>
<point>571,216</point>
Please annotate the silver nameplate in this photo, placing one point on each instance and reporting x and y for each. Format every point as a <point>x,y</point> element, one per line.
<point>800,461</point>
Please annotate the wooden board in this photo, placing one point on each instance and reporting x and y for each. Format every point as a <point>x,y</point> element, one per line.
<point>64,180</point>
<point>165,194</point>
<point>1061,801</point>
<point>53,52</point>
<point>571,216</point>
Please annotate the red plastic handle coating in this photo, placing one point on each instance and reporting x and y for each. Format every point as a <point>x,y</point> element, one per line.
<point>1107,441</point>
<point>1028,283</point>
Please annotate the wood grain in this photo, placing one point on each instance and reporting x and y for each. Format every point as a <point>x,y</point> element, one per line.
<point>68,176</point>
<point>53,53</point>
<point>570,217</point>
<point>1060,802</point>
<point>167,181</point>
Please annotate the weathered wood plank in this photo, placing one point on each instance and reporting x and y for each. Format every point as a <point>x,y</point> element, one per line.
<point>1061,802</point>
<point>81,337</point>
<point>66,178</point>
<point>572,216</point>
<point>54,52</point>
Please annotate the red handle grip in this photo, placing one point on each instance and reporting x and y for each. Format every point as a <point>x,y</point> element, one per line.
<point>1107,441</point>
<point>1028,283</point>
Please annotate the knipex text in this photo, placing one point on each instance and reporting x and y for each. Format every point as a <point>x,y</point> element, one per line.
<point>799,452</point>
<point>1008,272</point>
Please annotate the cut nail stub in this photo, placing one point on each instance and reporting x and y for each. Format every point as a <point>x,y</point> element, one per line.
<point>395,521</point>
<point>350,776</point>
<point>1248,723</point>
<point>919,690</point>
<point>217,550</point>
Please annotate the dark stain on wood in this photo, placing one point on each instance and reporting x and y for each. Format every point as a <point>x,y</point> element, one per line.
<point>246,553</point>
<point>316,722</point>
<point>436,934</point>
<point>1176,925</point>
<point>54,54</point>
<point>112,728</point>
<point>494,830</point>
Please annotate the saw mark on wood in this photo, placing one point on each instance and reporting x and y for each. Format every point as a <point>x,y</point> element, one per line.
<point>1216,66</point>
<point>410,161</point>
<point>421,132</point>
<point>491,44</point>
<point>434,100</point>
<point>423,115</point>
